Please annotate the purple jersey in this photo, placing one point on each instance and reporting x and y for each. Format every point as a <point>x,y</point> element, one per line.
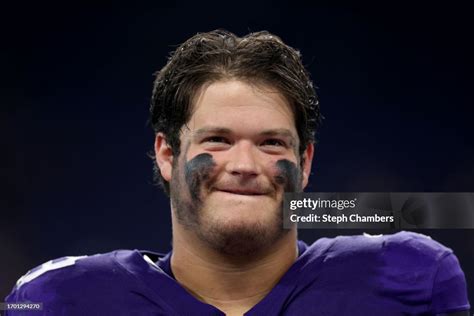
<point>401,274</point>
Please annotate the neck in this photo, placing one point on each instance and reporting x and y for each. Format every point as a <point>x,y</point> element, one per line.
<point>233,284</point>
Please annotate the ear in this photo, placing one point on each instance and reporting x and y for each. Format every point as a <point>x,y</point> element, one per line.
<point>163,156</point>
<point>308,159</point>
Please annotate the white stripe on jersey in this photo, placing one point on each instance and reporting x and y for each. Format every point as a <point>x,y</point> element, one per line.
<point>45,267</point>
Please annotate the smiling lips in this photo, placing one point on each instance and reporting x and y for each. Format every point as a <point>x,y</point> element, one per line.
<point>243,191</point>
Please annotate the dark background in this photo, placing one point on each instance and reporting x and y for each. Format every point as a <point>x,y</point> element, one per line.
<point>395,84</point>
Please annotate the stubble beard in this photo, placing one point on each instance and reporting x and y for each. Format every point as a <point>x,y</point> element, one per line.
<point>243,238</point>
<point>230,239</point>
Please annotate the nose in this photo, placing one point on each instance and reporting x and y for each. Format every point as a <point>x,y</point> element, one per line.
<point>242,160</point>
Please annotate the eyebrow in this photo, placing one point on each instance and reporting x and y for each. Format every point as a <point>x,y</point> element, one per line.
<point>281,132</point>
<point>278,132</point>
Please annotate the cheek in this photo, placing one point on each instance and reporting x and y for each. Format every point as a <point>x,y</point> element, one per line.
<point>198,170</point>
<point>288,175</point>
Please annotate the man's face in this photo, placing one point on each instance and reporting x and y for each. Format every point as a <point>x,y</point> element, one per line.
<point>239,153</point>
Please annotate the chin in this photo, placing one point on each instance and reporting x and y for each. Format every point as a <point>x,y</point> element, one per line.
<point>242,234</point>
<point>258,216</point>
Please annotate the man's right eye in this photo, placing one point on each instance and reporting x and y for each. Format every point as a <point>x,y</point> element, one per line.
<point>216,139</point>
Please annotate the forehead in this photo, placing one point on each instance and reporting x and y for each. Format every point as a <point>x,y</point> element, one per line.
<point>238,104</point>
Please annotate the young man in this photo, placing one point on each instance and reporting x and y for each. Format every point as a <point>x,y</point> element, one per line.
<point>234,120</point>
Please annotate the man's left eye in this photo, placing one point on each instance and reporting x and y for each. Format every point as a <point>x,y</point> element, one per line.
<point>274,142</point>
